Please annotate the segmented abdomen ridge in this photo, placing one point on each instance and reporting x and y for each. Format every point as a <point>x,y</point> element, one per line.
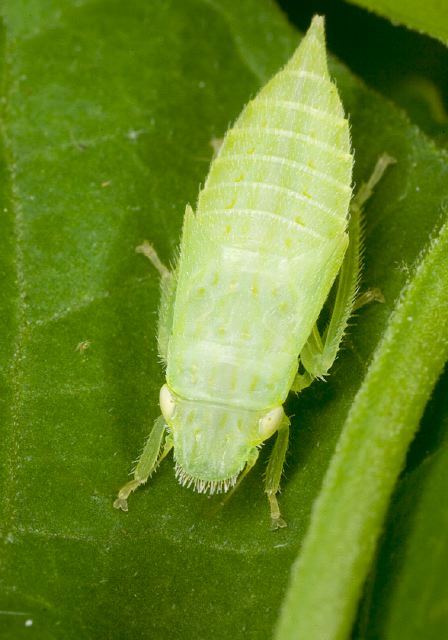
<point>267,241</point>
<point>289,151</point>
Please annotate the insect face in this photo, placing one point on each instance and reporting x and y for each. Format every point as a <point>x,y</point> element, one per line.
<point>212,443</point>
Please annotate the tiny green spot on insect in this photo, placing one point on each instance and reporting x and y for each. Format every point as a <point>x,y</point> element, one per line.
<point>237,320</point>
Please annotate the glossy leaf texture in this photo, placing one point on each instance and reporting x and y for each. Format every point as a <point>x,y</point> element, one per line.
<point>109,115</point>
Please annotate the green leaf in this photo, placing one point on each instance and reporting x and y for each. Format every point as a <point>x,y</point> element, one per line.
<point>349,511</point>
<point>422,99</point>
<point>410,571</point>
<point>430,17</point>
<point>108,114</point>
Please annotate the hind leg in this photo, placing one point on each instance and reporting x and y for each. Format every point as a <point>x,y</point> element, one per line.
<point>320,352</point>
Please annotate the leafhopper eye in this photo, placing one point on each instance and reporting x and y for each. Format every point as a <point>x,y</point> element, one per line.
<point>167,402</point>
<point>270,422</point>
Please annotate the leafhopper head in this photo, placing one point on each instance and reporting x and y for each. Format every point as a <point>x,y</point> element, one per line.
<point>212,443</point>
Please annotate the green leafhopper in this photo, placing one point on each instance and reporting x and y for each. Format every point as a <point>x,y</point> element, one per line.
<point>257,260</point>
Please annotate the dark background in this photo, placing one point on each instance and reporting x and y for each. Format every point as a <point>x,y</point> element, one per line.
<point>410,68</point>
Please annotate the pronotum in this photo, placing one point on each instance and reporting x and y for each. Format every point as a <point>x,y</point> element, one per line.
<point>272,230</point>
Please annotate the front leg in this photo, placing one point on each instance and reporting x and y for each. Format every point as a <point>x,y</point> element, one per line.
<point>153,453</point>
<point>274,472</point>
<point>168,286</point>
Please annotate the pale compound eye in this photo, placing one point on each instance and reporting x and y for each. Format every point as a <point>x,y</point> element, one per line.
<point>167,402</point>
<point>270,422</point>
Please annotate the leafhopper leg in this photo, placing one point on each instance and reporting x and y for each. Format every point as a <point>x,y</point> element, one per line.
<point>167,297</point>
<point>366,297</point>
<point>314,345</point>
<point>366,189</point>
<point>274,473</point>
<point>319,353</point>
<point>251,461</point>
<point>148,250</point>
<point>154,451</point>
<point>360,199</point>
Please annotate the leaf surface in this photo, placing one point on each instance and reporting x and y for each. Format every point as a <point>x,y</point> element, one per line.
<point>409,571</point>
<point>429,17</point>
<point>108,117</point>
